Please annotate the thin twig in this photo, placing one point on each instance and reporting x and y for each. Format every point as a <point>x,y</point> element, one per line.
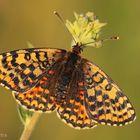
<point>28,128</point>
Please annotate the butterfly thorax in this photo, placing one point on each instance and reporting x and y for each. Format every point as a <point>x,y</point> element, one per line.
<point>77,48</point>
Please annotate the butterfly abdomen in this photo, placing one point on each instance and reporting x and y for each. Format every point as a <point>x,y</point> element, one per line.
<point>63,84</point>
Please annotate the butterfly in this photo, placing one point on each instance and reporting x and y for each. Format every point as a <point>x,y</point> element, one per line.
<point>47,80</point>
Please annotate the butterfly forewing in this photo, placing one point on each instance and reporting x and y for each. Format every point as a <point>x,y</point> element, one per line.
<point>104,101</point>
<point>21,70</point>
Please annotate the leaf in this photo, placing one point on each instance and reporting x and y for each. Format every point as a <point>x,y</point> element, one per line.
<point>25,115</point>
<point>30,45</point>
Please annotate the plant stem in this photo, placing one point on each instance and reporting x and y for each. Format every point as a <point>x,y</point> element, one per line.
<point>28,128</point>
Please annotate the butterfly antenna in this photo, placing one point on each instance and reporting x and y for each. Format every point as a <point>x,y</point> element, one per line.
<point>111,38</point>
<point>103,40</point>
<point>60,17</point>
<point>62,20</point>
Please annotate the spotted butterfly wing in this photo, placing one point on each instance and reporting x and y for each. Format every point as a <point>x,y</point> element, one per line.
<point>104,101</point>
<point>72,110</point>
<point>21,70</point>
<point>26,71</point>
<point>38,98</point>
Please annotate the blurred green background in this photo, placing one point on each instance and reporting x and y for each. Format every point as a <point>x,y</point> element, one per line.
<point>32,20</point>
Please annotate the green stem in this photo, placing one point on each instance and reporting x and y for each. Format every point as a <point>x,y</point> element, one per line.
<point>28,128</point>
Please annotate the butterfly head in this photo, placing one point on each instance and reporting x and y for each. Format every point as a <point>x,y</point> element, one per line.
<point>77,48</point>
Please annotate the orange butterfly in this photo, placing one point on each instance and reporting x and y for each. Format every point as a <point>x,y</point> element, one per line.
<point>58,80</point>
<point>54,79</point>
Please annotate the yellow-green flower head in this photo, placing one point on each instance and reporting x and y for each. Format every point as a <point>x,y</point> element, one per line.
<point>85,29</point>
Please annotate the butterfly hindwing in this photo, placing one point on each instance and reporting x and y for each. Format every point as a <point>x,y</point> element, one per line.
<point>20,70</point>
<point>38,98</point>
<point>74,114</point>
<point>104,101</point>
<point>72,110</point>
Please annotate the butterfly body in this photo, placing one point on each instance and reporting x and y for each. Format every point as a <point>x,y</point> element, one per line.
<point>58,80</point>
